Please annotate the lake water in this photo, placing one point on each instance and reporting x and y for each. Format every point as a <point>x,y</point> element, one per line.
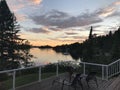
<point>45,56</point>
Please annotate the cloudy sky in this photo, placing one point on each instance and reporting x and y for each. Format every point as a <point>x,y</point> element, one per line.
<point>56,22</point>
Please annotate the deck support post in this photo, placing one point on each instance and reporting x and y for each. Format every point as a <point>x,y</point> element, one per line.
<point>14,75</point>
<point>106,72</point>
<point>57,69</point>
<point>84,68</point>
<point>39,74</point>
<point>103,73</point>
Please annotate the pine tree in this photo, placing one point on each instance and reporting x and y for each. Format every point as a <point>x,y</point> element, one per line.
<point>116,45</point>
<point>90,34</point>
<point>10,43</point>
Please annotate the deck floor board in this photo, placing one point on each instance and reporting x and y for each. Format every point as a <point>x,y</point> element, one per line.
<point>111,84</point>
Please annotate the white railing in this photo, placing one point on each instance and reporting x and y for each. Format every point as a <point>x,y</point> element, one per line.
<point>15,70</point>
<point>114,68</point>
<point>107,71</point>
<point>102,66</point>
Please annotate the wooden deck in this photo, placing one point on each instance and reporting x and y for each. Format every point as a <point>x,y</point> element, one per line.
<point>112,84</point>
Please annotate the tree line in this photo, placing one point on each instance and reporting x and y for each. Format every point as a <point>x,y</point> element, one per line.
<point>96,49</point>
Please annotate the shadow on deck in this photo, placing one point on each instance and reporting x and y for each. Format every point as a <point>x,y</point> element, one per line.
<point>46,84</point>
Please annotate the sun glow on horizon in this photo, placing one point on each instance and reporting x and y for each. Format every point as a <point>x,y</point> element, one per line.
<point>52,43</point>
<point>54,22</point>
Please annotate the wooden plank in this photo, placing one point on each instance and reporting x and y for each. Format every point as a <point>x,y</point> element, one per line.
<point>115,84</point>
<point>47,85</point>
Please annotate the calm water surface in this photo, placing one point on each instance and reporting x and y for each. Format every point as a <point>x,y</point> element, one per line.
<point>45,56</point>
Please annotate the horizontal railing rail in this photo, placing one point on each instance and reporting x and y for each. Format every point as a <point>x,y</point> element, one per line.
<point>93,64</point>
<point>114,68</point>
<point>107,71</point>
<point>114,62</point>
<point>13,71</point>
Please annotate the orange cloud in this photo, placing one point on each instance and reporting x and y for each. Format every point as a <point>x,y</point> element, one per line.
<point>117,3</point>
<point>37,1</point>
<point>107,11</point>
<point>16,5</point>
<point>15,8</point>
<point>20,17</point>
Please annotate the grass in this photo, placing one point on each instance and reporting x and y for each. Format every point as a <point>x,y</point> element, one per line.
<point>26,79</point>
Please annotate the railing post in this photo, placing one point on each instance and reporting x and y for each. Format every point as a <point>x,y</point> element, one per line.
<point>57,69</point>
<point>107,72</point>
<point>102,72</point>
<point>84,68</point>
<point>14,75</point>
<point>39,74</point>
<point>119,65</point>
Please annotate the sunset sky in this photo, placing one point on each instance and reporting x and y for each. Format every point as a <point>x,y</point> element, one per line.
<point>56,22</point>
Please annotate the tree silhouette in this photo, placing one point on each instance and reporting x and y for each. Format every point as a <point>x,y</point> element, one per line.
<point>100,49</point>
<point>10,44</point>
<point>115,51</point>
<point>90,34</point>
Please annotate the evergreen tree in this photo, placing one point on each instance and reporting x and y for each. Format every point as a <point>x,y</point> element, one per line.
<point>10,43</point>
<point>88,48</point>
<point>115,51</point>
<point>90,35</point>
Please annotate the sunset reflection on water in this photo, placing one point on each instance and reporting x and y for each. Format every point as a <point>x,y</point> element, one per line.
<point>45,56</point>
